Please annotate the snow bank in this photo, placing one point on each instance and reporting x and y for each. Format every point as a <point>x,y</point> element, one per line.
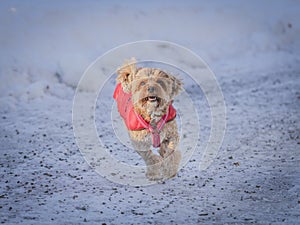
<point>59,41</point>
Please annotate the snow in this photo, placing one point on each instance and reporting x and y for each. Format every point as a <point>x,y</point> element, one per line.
<point>253,47</point>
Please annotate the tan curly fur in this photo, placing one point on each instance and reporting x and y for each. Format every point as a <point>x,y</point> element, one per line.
<point>152,92</point>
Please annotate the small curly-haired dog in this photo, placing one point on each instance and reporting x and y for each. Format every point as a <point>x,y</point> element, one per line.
<point>144,97</point>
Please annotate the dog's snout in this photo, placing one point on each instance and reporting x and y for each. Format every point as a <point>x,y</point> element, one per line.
<point>151,89</point>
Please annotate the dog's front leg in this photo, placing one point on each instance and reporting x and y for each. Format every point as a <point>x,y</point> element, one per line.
<point>171,161</point>
<point>153,161</point>
<point>154,164</point>
<point>168,150</point>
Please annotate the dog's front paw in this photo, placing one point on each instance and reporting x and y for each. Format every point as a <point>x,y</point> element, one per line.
<point>154,175</point>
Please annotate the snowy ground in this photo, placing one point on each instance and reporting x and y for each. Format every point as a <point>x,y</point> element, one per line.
<point>254,49</point>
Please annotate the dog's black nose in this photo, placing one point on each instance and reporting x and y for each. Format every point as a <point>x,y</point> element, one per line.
<point>151,89</point>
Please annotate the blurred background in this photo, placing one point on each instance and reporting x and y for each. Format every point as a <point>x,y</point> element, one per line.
<point>65,37</point>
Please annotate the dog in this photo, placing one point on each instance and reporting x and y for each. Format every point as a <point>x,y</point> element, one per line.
<point>144,98</point>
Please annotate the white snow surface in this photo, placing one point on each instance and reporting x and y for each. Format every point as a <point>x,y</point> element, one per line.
<point>253,47</point>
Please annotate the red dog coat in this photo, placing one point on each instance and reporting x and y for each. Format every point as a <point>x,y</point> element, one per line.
<point>135,121</point>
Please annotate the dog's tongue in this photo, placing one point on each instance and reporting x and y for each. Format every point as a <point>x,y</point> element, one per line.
<point>152,98</point>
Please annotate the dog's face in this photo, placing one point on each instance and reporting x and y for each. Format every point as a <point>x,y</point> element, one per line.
<point>152,89</point>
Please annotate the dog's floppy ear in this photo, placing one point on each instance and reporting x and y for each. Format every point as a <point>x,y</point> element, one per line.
<point>126,74</point>
<point>176,86</point>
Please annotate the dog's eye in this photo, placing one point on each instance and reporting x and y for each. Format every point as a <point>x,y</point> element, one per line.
<point>142,83</point>
<point>162,84</point>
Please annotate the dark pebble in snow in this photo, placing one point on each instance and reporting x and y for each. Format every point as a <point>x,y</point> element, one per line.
<point>81,208</point>
<point>48,174</point>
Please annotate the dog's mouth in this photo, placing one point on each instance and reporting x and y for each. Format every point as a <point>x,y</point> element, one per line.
<point>152,99</point>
